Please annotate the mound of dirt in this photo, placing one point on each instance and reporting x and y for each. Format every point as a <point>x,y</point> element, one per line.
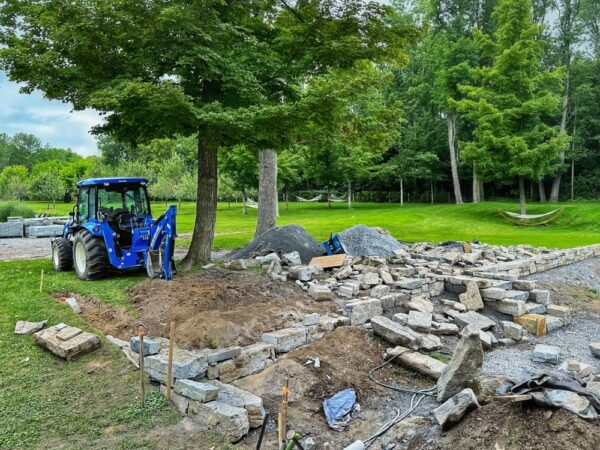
<point>510,427</point>
<point>281,240</point>
<point>210,308</point>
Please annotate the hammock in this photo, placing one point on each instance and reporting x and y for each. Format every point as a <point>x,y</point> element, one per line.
<point>251,203</point>
<point>315,199</point>
<point>531,219</point>
<point>333,198</point>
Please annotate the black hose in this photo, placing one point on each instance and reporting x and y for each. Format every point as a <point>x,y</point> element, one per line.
<point>262,431</point>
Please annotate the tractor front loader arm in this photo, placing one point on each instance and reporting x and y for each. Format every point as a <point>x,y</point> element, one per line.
<point>162,240</point>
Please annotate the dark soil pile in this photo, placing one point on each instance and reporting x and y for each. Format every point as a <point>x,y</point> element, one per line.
<point>210,308</point>
<point>510,427</point>
<point>281,240</point>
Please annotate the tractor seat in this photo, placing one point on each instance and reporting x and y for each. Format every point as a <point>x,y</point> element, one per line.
<point>124,221</point>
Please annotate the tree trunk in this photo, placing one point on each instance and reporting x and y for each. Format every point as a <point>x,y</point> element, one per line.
<point>267,191</point>
<point>401,192</point>
<point>349,194</point>
<point>244,200</point>
<point>328,198</point>
<point>481,191</point>
<point>451,120</point>
<point>542,190</point>
<point>431,189</point>
<point>572,179</point>
<point>476,187</point>
<point>206,205</point>
<point>554,192</point>
<point>287,199</point>
<point>522,201</point>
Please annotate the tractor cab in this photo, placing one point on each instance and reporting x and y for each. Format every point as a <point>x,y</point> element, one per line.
<point>112,228</point>
<point>123,205</point>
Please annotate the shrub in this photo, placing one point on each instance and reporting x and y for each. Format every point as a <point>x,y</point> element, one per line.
<point>12,209</point>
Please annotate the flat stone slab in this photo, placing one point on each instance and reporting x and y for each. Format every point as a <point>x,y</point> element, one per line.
<point>226,421</point>
<point>68,333</point>
<point>563,312</point>
<point>235,396</point>
<point>24,327</point>
<point>595,349</point>
<point>252,359</point>
<point>394,332</point>
<point>215,356</point>
<point>508,306</point>
<point>419,321</point>
<point>471,317</point>
<point>195,390</point>
<point>420,304</point>
<point>320,292</point>
<point>185,365</point>
<point>72,303</point>
<point>286,339</point>
<point>151,346</point>
<point>362,311</point>
<point>534,323</point>
<point>512,330</point>
<point>546,354</point>
<point>416,361</point>
<point>80,344</point>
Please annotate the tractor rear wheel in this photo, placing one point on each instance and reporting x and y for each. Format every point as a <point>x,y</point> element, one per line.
<point>62,254</point>
<point>90,256</point>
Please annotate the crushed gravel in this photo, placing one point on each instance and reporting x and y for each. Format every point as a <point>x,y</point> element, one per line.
<point>572,340</point>
<point>584,273</point>
<point>361,240</point>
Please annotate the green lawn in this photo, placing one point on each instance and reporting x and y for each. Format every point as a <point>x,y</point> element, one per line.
<point>579,224</point>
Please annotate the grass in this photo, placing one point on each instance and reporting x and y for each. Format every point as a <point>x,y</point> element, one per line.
<point>46,402</point>
<point>578,225</point>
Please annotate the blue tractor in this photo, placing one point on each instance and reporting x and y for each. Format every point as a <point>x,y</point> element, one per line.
<point>112,229</point>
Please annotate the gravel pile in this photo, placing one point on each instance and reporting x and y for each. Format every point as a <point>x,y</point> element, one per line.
<point>361,240</point>
<point>281,240</point>
<point>572,340</point>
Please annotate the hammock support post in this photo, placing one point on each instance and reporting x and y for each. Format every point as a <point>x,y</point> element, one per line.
<point>530,220</point>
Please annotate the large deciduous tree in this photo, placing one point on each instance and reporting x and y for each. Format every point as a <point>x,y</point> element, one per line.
<point>514,101</point>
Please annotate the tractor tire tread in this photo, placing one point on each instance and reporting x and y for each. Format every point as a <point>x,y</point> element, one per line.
<point>98,265</point>
<point>65,252</point>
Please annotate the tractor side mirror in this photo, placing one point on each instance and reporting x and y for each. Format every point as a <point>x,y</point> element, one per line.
<point>72,213</point>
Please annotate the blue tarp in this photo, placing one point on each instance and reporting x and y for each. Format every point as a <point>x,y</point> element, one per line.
<point>338,408</point>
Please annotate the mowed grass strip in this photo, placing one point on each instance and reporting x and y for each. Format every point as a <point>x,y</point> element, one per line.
<point>578,225</point>
<point>46,402</point>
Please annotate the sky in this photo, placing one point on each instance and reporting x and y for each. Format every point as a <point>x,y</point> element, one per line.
<point>53,122</point>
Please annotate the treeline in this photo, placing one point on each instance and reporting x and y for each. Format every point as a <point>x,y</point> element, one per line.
<point>448,100</point>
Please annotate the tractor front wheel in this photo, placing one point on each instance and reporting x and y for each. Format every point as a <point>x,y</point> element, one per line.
<point>62,254</point>
<point>90,256</point>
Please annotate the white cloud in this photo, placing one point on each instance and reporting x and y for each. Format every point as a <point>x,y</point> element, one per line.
<point>52,121</point>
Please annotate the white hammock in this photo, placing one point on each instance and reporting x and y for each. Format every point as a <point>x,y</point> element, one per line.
<point>531,219</point>
<point>315,199</point>
<point>529,216</point>
<point>251,203</point>
<point>333,198</point>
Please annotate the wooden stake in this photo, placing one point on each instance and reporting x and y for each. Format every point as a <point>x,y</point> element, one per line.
<point>42,280</point>
<point>170,364</point>
<point>283,414</point>
<point>142,389</point>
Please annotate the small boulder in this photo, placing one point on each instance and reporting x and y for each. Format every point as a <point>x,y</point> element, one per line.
<point>546,354</point>
<point>454,409</point>
<point>23,327</point>
<point>471,298</point>
<point>72,302</point>
<point>464,366</point>
<point>595,349</point>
